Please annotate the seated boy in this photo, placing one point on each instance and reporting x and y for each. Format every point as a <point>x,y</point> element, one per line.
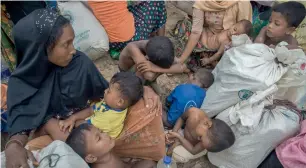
<point>158,50</point>
<point>109,114</point>
<point>214,42</point>
<point>285,18</point>
<point>200,133</point>
<point>188,95</point>
<point>95,147</point>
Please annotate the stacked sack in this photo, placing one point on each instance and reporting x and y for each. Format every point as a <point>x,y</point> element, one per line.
<point>90,36</point>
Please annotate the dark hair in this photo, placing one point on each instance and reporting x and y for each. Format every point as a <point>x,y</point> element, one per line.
<point>160,51</point>
<point>205,77</point>
<point>220,135</point>
<point>56,32</point>
<point>130,85</point>
<point>294,12</point>
<point>76,139</point>
<point>248,27</point>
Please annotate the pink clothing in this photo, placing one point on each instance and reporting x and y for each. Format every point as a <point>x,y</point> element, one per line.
<point>292,152</point>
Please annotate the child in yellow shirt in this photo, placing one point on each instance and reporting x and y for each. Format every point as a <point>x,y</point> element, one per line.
<point>109,114</point>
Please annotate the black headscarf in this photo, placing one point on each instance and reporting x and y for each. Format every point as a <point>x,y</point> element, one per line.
<point>38,89</point>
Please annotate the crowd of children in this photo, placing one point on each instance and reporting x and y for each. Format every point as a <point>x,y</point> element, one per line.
<point>91,133</point>
<point>190,128</point>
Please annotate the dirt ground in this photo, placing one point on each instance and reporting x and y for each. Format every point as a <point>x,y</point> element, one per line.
<point>109,67</point>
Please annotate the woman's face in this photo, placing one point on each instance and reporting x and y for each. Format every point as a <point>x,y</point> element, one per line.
<point>63,49</point>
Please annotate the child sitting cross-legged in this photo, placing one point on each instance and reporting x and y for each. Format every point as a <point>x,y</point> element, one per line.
<point>200,134</point>
<point>95,147</point>
<point>187,95</point>
<point>285,18</point>
<point>109,114</point>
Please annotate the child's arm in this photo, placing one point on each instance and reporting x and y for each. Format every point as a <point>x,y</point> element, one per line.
<point>70,122</point>
<point>195,35</point>
<point>261,38</point>
<point>216,56</point>
<point>187,145</point>
<point>134,51</point>
<point>148,66</point>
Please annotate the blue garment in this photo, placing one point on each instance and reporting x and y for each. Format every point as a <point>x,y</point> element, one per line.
<point>182,98</point>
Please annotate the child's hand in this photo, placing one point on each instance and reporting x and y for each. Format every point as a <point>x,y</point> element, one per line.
<point>205,61</point>
<point>146,66</point>
<point>66,124</point>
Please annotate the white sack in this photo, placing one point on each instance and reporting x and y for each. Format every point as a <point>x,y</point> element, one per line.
<point>65,157</point>
<point>253,145</point>
<point>292,85</point>
<point>90,36</point>
<point>242,71</point>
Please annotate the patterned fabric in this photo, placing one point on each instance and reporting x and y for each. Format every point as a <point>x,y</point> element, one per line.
<point>149,17</point>
<point>143,134</point>
<point>258,24</point>
<point>7,45</point>
<point>181,35</point>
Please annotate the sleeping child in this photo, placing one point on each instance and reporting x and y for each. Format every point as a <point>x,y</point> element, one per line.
<point>109,114</point>
<point>200,134</point>
<point>95,147</point>
<point>285,18</point>
<point>188,95</point>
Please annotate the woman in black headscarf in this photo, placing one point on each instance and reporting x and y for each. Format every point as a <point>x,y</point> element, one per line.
<point>51,79</point>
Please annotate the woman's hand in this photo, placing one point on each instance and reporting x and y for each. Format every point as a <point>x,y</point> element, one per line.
<point>151,99</point>
<point>17,156</point>
<point>147,66</point>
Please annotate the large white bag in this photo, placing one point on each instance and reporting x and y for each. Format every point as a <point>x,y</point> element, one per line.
<point>292,85</point>
<point>90,36</point>
<point>57,154</point>
<point>242,71</point>
<point>253,144</point>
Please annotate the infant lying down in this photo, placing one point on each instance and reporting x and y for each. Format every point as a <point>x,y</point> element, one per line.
<point>95,147</point>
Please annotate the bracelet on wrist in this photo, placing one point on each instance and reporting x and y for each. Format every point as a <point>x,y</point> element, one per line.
<point>13,141</point>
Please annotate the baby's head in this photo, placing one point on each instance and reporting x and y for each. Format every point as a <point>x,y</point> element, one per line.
<point>90,143</point>
<point>125,90</point>
<point>242,27</point>
<point>285,18</point>
<point>160,51</point>
<point>202,77</point>
<point>215,135</point>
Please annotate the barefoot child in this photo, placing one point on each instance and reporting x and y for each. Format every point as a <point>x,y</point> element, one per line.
<point>109,114</point>
<point>187,95</point>
<point>285,18</point>
<point>95,147</point>
<point>200,133</point>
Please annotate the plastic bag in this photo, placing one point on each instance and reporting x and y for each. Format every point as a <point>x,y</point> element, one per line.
<point>57,155</point>
<point>242,71</point>
<point>252,145</point>
<point>90,36</point>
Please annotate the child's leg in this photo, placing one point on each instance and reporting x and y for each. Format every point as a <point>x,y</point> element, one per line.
<point>145,164</point>
<point>165,119</point>
<point>52,129</point>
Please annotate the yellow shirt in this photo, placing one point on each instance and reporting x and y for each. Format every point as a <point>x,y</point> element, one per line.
<point>107,119</point>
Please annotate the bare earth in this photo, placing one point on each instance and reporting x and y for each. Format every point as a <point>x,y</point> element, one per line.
<point>109,67</point>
